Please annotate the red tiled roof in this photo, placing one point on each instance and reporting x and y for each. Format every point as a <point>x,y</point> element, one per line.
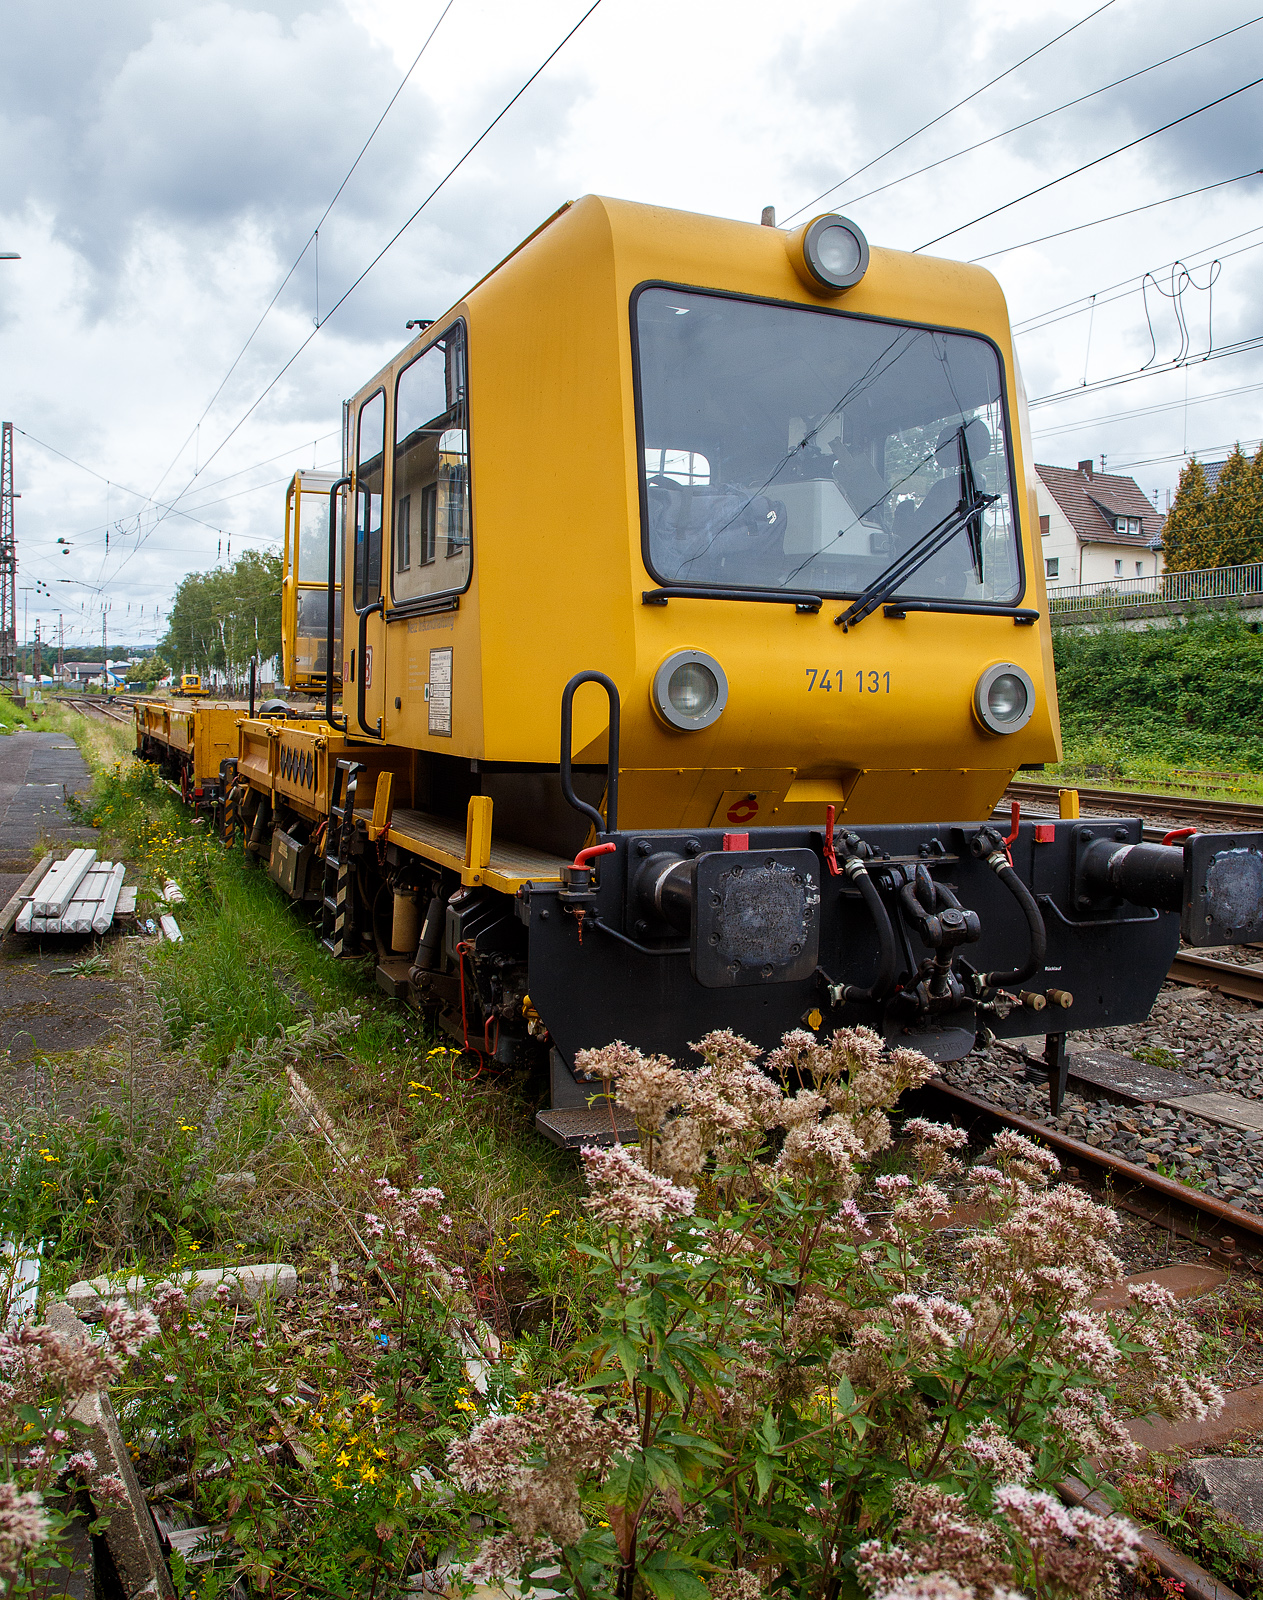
<point>1090,504</point>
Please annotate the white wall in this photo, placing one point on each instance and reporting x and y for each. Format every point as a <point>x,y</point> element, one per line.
<point>1060,543</point>
<point>1086,561</point>
<point>1100,562</point>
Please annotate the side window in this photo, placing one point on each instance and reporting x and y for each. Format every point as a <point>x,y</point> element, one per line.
<point>312,523</point>
<point>370,461</point>
<point>432,551</point>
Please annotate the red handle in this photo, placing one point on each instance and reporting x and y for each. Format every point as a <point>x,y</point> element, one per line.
<point>1015,816</point>
<point>830,854</point>
<point>584,856</point>
<point>1178,833</point>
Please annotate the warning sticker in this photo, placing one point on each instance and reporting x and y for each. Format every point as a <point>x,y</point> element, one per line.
<point>441,692</point>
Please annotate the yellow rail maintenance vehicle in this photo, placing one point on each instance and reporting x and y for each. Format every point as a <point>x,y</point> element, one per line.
<point>304,593</point>
<point>191,686</point>
<point>189,746</point>
<point>694,615</point>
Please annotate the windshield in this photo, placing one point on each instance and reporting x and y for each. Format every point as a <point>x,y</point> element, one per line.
<point>789,448</point>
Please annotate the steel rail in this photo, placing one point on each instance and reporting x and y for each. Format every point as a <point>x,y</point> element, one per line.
<point>1231,814</point>
<point>1161,1201</point>
<point>83,706</point>
<point>1246,983</point>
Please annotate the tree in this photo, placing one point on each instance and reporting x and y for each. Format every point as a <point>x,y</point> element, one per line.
<point>1186,536</point>
<point>151,670</point>
<point>1236,511</point>
<point>219,619</point>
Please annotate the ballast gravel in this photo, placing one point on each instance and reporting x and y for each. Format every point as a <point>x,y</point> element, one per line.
<point>1213,1038</point>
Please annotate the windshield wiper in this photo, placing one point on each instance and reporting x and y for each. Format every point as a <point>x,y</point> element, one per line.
<point>968,513</point>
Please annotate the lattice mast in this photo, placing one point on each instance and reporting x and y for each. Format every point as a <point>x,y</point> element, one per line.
<point>8,559</point>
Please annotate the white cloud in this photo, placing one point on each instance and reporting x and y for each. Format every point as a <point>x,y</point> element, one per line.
<point>165,163</point>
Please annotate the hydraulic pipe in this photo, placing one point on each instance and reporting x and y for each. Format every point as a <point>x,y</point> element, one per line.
<point>887,953</point>
<point>999,864</point>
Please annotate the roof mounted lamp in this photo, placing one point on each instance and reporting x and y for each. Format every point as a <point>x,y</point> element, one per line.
<point>829,253</point>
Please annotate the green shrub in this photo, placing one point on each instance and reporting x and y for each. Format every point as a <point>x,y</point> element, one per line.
<point>1189,696</point>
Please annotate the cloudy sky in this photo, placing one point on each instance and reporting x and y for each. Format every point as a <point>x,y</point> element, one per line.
<point>166,163</point>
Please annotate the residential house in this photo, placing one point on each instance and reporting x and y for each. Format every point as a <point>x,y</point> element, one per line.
<point>1096,527</point>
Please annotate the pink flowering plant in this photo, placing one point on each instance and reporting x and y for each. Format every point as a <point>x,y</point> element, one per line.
<point>788,1390</point>
<point>47,1474</point>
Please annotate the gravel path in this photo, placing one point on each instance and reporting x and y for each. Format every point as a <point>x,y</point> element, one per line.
<point>1213,1038</point>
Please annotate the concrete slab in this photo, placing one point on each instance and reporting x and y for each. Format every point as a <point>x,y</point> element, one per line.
<point>1242,1413</point>
<point>247,1285</point>
<point>1229,1110</point>
<point>1185,1282</point>
<point>1230,1483</point>
<point>1125,1080</point>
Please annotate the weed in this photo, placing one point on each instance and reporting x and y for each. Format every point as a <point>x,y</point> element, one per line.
<point>1155,1056</point>
<point>1217,1540</point>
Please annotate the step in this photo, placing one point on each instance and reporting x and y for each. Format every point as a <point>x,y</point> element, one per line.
<point>586,1125</point>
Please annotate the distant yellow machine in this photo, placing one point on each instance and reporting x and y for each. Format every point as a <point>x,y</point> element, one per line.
<point>304,592</point>
<point>693,625</point>
<point>191,686</point>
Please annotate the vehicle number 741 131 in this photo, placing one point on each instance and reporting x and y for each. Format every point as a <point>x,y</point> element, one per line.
<point>868,680</point>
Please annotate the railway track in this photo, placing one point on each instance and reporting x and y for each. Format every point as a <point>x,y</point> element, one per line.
<point>1232,815</point>
<point>1232,1235</point>
<point>1246,983</point>
<point>84,705</point>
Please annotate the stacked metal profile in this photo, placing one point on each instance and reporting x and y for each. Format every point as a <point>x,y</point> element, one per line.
<point>77,895</point>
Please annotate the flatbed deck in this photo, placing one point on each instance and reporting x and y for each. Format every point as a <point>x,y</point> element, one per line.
<point>448,844</point>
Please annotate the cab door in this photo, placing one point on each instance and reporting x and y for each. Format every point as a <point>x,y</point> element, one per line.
<point>289,570</point>
<point>364,644</point>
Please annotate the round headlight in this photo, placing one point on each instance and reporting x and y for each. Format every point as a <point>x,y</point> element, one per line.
<point>693,689</point>
<point>690,690</point>
<point>834,253</point>
<point>1004,698</point>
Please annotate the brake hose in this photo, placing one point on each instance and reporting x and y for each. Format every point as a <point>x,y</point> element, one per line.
<point>855,870</point>
<point>1000,864</point>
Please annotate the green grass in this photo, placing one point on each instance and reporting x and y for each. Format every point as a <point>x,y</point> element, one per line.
<point>195,1087</point>
<point>13,716</point>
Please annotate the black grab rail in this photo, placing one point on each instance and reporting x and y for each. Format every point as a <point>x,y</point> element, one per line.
<point>342,483</point>
<point>377,606</point>
<point>610,822</point>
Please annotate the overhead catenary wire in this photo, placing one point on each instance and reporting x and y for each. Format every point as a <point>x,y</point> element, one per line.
<point>943,115</point>
<point>204,505</point>
<point>1095,162</point>
<point>1115,216</point>
<point>390,243</point>
<point>1183,455</point>
<point>1053,111</point>
<point>1242,347</point>
<point>314,235</point>
<point>1146,411</point>
<point>1131,285</point>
